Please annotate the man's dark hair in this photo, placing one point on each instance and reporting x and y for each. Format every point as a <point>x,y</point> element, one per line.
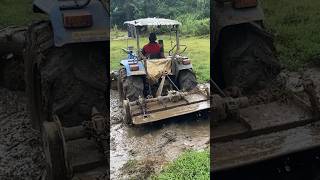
<point>152,37</point>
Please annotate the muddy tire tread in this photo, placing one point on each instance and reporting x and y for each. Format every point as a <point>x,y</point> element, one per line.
<point>250,64</point>
<point>133,87</point>
<point>187,80</point>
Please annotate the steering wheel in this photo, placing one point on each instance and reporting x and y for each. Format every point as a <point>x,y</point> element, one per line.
<point>171,50</point>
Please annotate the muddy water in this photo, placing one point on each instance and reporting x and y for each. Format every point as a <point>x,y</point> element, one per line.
<point>152,145</point>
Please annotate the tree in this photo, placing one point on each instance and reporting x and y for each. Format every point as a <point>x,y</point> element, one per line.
<point>123,10</point>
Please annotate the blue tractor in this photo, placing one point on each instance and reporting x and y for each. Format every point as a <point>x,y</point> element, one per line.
<point>65,72</point>
<point>149,86</point>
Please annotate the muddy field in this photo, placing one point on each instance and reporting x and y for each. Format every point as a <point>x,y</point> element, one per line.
<point>279,144</point>
<point>138,152</point>
<point>21,154</point>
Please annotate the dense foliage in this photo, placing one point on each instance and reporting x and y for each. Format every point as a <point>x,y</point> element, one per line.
<point>193,14</point>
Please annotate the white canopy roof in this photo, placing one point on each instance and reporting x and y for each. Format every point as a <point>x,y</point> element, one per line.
<point>152,22</point>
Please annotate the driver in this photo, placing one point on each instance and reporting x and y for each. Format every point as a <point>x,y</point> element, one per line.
<point>153,49</point>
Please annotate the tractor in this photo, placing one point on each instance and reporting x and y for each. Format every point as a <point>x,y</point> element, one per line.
<point>65,75</point>
<point>257,118</point>
<point>158,88</point>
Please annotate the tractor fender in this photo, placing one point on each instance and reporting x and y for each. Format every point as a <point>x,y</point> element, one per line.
<point>126,64</point>
<point>179,67</point>
<point>226,15</point>
<point>97,32</point>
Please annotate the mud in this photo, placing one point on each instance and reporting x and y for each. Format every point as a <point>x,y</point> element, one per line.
<point>12,70</point>
<point>21,154</point>
<point>138,152</point>
<point>12,41</point>
<point>278,125</point>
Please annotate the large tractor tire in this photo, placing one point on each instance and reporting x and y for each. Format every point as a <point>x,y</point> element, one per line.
<point>133,87</point>
<point>120,80</point>
<point>245,54</point>
<point>73,81</point>
<point>66,81</point>
<point>187,80</point>
<point>127,118</point>
<point>38,35</point>
<point>129,87</point>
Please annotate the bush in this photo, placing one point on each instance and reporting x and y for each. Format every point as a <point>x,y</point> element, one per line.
<point>194,24</point>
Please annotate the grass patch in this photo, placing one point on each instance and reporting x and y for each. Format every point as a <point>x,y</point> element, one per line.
<point>17,13</point>
<point>295,25</point>
<point>190,165</point>
<point>134,169</point>
<point>198,51</point>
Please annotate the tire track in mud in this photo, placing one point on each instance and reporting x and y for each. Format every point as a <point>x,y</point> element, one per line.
<point>21,154</point>
<point>139,152</point>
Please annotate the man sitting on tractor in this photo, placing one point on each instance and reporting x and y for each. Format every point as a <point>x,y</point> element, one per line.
<point>153,50</point>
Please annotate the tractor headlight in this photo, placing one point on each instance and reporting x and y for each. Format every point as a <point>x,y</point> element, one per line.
<point>77,19</point>
<point>134,67</point>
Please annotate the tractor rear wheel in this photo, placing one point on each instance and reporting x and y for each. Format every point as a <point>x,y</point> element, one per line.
<point>246,53</point>
<point>127,113</point>
<point>122,76</point>
<point>38,35</point>
<point>132,87</point>
<point>66,81</point>
<point>187,80</point>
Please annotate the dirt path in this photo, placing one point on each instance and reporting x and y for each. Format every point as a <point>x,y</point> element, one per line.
<point>20,148</point>
<point>137,152</point>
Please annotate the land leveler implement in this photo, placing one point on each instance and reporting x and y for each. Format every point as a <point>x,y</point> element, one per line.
<point>154,89</point>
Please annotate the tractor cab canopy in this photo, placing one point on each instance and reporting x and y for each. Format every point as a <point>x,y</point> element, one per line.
<point>135,27</point>
<point>152,22</point>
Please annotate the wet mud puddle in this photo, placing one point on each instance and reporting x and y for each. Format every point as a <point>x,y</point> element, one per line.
<point>138,152</point>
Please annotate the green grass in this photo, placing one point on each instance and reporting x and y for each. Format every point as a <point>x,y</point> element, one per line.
<point>17,12</point>
<point>190,165</point>
<point>295,25</point>
<point>198,51</point>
